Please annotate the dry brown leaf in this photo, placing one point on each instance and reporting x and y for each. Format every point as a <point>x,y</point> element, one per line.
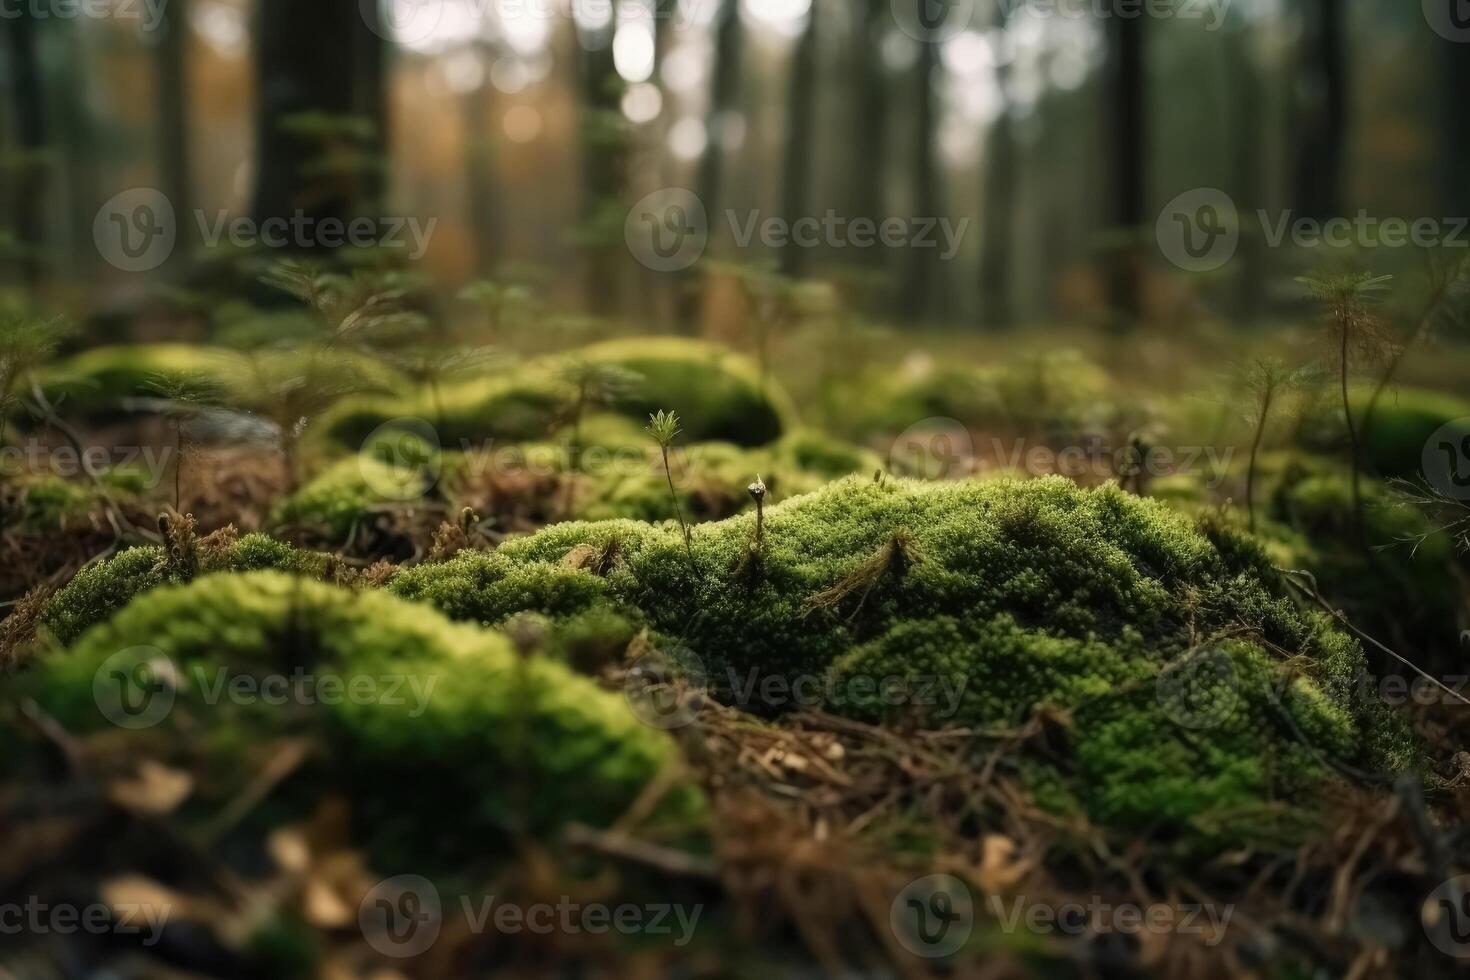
<point>155,790</point>
<point>1001,865</point>
<point>323,905</point>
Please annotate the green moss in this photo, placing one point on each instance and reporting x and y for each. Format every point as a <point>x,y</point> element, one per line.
<point>100,380</point>
<point>711,479</point>
<point>1403,587</point>
<point>447,718</point>
<point>1020,593</point>
<point>1394,439</point>
<point>1054,393</point>
<point>715,391</point>
<point>485,588</point>
<point>347,492</point>
<point>98,591</point>
<point>1134,760</point>
<point>48,502</point>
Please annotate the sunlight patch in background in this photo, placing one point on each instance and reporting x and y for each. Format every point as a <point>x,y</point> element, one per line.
<point>787,18</point>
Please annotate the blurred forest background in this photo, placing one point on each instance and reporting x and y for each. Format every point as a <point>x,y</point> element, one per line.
<point>528,130</point>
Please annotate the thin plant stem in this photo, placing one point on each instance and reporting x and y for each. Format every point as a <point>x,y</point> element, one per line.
<point>678,509</point>
<point>1250,474</point>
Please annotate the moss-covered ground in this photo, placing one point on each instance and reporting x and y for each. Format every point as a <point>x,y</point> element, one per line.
<point>486,629</point>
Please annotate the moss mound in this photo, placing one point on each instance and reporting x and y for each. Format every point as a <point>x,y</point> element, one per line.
<point>1394,440</point>
<point>1403,586</point>
<point>710,478</point>
<point>717,392</point>
<point>98,591</point>
<point>419,716</point>
<point>1405,419</point>
<point>100,380</point>
<point>1052,394</point>
<point>1016,594</point>
<point>346,492</point>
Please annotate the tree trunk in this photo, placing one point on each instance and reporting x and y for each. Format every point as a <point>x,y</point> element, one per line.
<point>801,103</point>
<point>917,296</point>
<point>605,152</point>
<point>1129,162</point>
<point>480,171</point>
<point>23,79</point>
<point>173,122</point>
<point>321,124</point>
<point>1322,126</point>
<point>1455,151</point>
<point>998,203</point>
<point>709,180</point>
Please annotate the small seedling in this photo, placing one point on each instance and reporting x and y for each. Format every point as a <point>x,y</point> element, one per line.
<point>592,385</point>
<point>291,391</point>
<point>664,427</point>
<point>1269,380</point>
<point>185,396</point>
<point>758,494</point>
<point>429,367</point>
<point>25,344</point>
<point>1352,328</point>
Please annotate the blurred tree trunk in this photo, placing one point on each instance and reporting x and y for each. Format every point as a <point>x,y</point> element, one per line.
<point>173,121</point>
<point>1128,175</point>
<point>723,96</point>
<point>605,157</point>
<point>916,299</point>
<point>1248,108</point>
<point>1322,121</point>
<point>321,124</point>
<point>1455,151</point>
<point>998,200</point>
<point>20,70</point>
<point>801,125</point>
<point>869,123</point>
<point>480,169</point>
